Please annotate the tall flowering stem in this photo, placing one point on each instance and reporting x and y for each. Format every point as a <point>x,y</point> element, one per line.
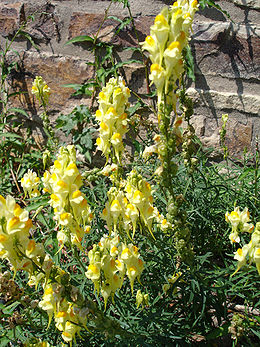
<point>16,244</point>
<point>169,36</point>
<point>112,118</point>
<point>111,259</point>
<point>71,209</point>
<point>42,93</point>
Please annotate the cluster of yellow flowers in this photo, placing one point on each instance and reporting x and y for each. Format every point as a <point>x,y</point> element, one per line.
<point>30,183</point>
<point>69,318</point>
<point>112,117</point>
<point>34,342</point>
<point>16,244</point>
<point>24,253</point>
<point>109,261</point>
<point>168,36</point>
<point>41,90</point>
<point>142,299</point>
<point>250,252</point>
<point>239,222</point>
<point>130,204</point>
<point>71,209</point>
<point>171,282</point>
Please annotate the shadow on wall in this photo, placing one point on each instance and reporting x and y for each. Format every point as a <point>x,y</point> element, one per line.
<point>223,50</point>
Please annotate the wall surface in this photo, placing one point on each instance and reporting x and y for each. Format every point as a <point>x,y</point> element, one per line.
<point>226,53</point>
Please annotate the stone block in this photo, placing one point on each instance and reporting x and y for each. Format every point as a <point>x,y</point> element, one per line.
<point>226,50</point>
<point>11,17</point>
<point>135,78</point>
<point>89,24</point>
<point>239,137</point>
<point>253,4</point>
<point>224,101</point>
<point>56,71</point>
<point>46,24</point>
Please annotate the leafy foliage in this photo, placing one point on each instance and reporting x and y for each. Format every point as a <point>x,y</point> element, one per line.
<point>80,125</point>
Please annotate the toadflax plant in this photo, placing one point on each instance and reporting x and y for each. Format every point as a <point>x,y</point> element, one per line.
<point>84,265</point>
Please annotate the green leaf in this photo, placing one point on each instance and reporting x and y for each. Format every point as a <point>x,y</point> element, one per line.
<point>218,332</point>
<point>81,38</point>
<point>88,156</point>
<point>210,3</point>
<point>43,201</point>
<point>131,61</point>
<point>189,63</point>
<point>29,38</point>
<point>256,333</point>
<point>4,340</point>
<point>9,309</point>
<point>137,146</point>
<point>123,23</point>
<point>86,141</point>
<point>72,85</point>
<point>134,108</point>
<point>115,18</point>
<point>18,110</point>
<point>11,136</point>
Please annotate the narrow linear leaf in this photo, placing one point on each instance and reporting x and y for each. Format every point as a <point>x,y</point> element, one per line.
<point>29,38</point>
<point>18,110</point>
<point>81,38</point>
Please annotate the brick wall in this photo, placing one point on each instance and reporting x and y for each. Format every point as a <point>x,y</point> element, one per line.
<point>227,57</point>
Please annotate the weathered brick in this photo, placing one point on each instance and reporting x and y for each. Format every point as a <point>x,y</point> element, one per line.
<point>11,16</point>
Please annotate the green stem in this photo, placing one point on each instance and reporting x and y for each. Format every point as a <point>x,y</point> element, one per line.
<point>76,255</point>
<point>256,170</point>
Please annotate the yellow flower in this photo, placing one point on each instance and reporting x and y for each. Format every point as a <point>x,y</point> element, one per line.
<point>171,56</point>
<point>30,183</point>
<point>141,299</point>
<point>113,100</point>
<point>168,36</point>
<point>41,90</point>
